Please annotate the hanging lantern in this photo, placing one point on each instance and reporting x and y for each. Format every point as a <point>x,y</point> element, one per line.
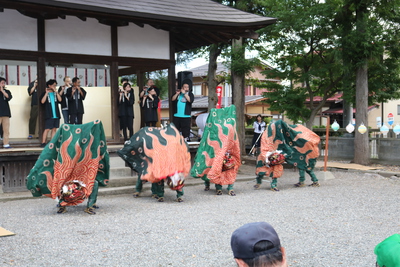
<point>335,126</point>
<point>396,129</point>
<point>350,128</point>
<point>384,129</point>
<point>362,129</point>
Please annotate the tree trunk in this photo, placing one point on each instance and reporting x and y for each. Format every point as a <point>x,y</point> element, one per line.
<point>361,141</point>
<point>215,51</point>
<point>238,93</point>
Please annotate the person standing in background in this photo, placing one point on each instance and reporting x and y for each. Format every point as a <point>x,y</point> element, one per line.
<point>50,99</point>
<point>33,116</point>
<point>5,112</point>
<point>76,94</point>
<point>259,127</point>
<point>125,110</point>
<point>62,90</point>
<point>182,108</point>
<point>149,107</point>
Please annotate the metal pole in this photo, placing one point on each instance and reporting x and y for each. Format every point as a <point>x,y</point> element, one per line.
<point>328,124</point>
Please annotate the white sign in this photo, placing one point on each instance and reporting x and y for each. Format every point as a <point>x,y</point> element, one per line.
<point>378,122</point>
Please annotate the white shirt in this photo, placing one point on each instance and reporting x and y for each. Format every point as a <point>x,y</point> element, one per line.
<point>256,126</point>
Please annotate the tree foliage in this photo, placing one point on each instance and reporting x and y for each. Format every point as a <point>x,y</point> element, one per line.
<point>316,46</point>
<point>301,46</point>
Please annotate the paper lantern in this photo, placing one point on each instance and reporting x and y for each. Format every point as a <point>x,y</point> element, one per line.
<point>335,126</point>
<point>350,128</point>
<point>384,129</point>
<point>396,129</point>
<point>362,129</point>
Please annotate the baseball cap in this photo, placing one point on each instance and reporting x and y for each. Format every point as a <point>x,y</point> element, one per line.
<point>245,237</point>
<point>388,252</point>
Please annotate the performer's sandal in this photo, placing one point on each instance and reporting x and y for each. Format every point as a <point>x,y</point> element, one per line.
<point>315,184</point>
<point>274,189</point>
<point>219,192</point>
<point>154,196</point>
<point>179,199</point>
<point>160,199</point>
<point>62,209</point>
<point>95,206</point>
<point>257,186</point>
<point>207,188</point>
<point>136,194</point>
<point>300,184</point>
<point>231,193</point>
<point>90,210</point>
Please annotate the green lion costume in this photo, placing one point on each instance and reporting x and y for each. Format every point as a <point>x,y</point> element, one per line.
<point>72,166</point>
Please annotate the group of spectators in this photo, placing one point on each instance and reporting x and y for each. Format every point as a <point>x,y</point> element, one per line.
<point>70,96</point>
<point>149,103</point>
<point>258,245</point>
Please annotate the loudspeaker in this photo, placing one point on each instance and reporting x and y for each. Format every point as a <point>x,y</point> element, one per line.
<point>185,77</point>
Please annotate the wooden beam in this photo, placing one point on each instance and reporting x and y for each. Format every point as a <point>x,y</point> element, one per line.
<point>41,77</point>
<point>114,41</point>
<point>83,59</point>
<point>41,35</point>
<point>141,25</point>
<point>83,18</point>
<point>171,75</point>
<point>114,96</point>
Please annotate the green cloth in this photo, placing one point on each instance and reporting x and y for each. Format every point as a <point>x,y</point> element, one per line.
<point>219,137</point>
<point>296,141</point>
<point>76,152</point>
<point>388,252</point>
<point>157,153</point>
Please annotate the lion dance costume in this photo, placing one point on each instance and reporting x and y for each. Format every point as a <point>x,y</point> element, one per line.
<point>295,144</point>
<point>158,155</point>
<point>218,156</point>
<point>72,166</point>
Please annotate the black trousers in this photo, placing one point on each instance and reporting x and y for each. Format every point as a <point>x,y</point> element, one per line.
<point>75,118</point>
<point>126,122</point>
<point>183,125</point>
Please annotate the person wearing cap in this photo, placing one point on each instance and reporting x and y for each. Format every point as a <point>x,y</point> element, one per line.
<point>257,245</point>
<point>388,252</point>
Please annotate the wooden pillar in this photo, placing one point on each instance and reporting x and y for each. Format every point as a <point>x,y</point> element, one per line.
<point>41,74</point>
<point>140,78</point>
<point>114,97</point>
<point>171,76</point>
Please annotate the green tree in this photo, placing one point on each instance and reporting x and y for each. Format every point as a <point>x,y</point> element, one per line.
<point>371,30</point>
<point>335,45</point>
<point>301,45</point>
<point>160,78</point>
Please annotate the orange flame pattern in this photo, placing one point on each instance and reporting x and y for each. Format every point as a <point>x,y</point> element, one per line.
<point>166,159</point>
<point>70,169</point>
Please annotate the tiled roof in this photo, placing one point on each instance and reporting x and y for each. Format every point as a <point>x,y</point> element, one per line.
<point>198,11</point>
<point>336,98</point>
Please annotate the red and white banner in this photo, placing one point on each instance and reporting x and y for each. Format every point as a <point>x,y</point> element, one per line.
<point>219,95</point>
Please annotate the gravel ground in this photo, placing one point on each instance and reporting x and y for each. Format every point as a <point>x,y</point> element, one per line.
<point>337,224</point>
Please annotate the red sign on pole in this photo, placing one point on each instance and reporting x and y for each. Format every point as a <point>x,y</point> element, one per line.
<point>219,95</point>
<point>390,119</point>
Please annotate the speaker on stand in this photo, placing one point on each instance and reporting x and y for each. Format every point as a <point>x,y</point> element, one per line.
<point>185,77</point>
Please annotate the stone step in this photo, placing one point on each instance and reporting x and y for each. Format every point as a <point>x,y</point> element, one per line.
<point>119,181</point>
<point>116,190</point>
<point>121,172</point>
